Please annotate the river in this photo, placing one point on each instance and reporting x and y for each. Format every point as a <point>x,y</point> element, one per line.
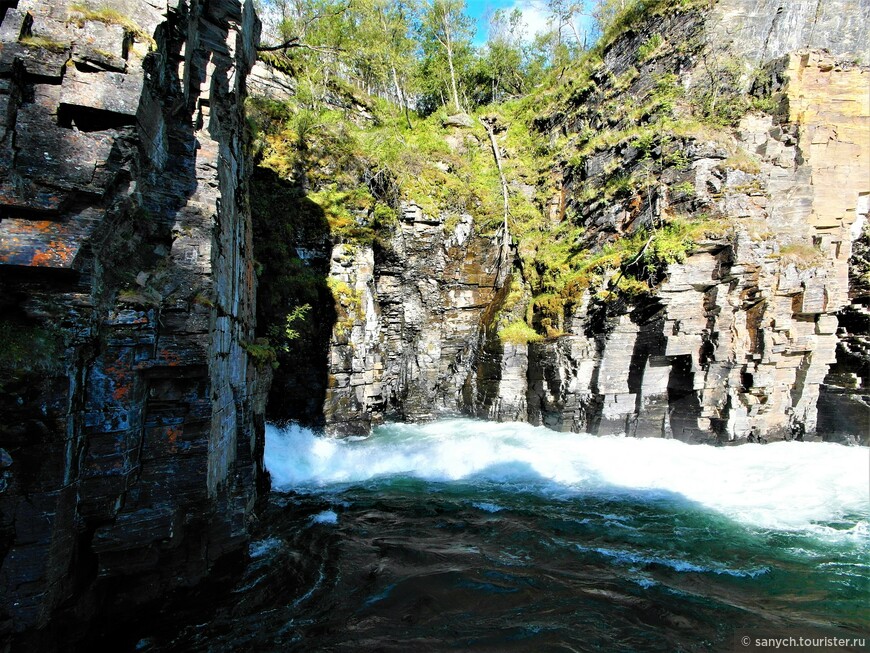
<point>462,535</point>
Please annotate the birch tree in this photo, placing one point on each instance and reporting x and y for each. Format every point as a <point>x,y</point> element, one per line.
<point>445,22</point>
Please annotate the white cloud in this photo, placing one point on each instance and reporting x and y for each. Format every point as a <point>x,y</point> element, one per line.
<point>536,16</point>
<point>537,19</point>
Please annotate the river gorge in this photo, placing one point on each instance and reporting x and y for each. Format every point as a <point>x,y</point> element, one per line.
<point>300,352</point>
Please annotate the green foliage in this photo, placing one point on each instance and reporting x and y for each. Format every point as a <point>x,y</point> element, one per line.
<point>684,188</point>
<point>280,61</point>
<point>638,257</point>
<point>29,347</point>
<point>352,147</point>
<point>262,353</point>
<point>632,287</point>
<point>284,334</point>
<point>284,218</point>
<point>347,212</point>
<point>45,43</point>
<point>348,305</point>
<point>615,18</point>
<point>358,173</point>
<point>518,333</point>
<point>402,50</point>
<point>728,90</point>
<point>649,47</point>
<point>670,244</point>
<point>445,40</point>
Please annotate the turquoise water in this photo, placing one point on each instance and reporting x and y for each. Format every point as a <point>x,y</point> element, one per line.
<point>467,535</point>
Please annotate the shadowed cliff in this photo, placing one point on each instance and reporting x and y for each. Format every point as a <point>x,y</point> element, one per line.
<point>132,415</point>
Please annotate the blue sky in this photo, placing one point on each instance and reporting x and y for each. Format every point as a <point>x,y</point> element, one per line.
<point>534,13</point>
<point>535,16</point>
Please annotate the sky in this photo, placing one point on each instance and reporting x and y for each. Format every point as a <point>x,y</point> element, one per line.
<point>534,14</point>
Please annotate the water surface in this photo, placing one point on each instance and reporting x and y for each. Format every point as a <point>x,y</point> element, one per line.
<point>474,536</point>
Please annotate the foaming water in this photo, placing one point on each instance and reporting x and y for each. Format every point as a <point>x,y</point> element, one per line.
<point>798,486</point>
<point>475,536</point>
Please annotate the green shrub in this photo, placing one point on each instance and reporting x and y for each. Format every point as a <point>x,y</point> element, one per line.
<point>518,333</point>
<point>262,353</point>
<point>684,188</point>
<point>30,347</point>
<point>348,305</point>
<point>285,333</point>
<point>649,47</point>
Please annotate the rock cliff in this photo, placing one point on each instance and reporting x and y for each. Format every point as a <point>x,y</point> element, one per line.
<point>731,338</point>
<point>738,338</point>
<point>409,323</point>
<point>696,269</point>
<point>132,416</point>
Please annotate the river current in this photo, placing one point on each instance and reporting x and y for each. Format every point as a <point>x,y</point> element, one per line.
<point>463,535</point>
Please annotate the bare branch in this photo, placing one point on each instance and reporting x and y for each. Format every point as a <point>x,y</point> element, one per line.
<point>504,250</point>
<point>289,43</point>
<point>296,43</point>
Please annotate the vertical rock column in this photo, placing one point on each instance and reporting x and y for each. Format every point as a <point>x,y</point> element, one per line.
<point>130,426</point>
<point>409,319</point>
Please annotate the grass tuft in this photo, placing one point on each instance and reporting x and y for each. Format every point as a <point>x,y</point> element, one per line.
<point>518,333</point>
<point>45,43</point>
<point>82,13</point>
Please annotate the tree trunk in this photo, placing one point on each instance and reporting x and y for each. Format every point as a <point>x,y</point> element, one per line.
<point>400,96</point>
<point>504,248</point>
<point>448,45</point>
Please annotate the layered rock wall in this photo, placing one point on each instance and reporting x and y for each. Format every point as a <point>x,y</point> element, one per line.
<point>131,414</point>
<point>736,341</point>
<point>739,338</point>
<point>410,316</point>
<point>762,30</point>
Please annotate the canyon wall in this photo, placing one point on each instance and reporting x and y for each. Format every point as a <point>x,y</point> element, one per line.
<point>132,416</point>
<point>735,343</point>
<point>410,318</point>
<point>738,338</point>
<point>133,388</point>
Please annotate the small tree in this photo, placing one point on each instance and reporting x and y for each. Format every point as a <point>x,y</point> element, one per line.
<point>502,59</point>
<point>444,22</point>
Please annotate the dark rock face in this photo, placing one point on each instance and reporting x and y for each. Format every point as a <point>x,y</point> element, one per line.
<point>132,417</point>
<point>409,320</point>
<point>844,401</point>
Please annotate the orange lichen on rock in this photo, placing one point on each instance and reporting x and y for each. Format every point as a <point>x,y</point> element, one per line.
<point>172,359</point>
